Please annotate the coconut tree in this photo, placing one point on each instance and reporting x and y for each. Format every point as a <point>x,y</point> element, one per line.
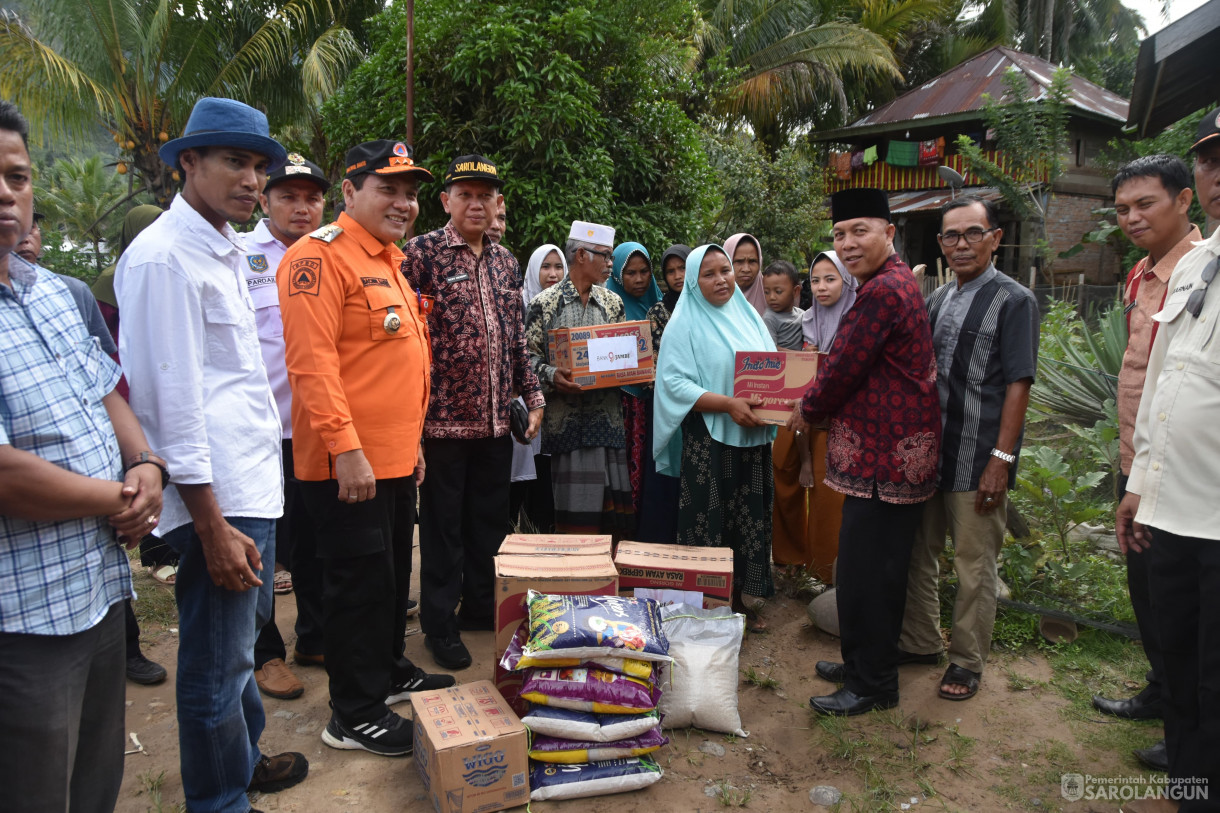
<point>80,198</point>
<point>135,67</point>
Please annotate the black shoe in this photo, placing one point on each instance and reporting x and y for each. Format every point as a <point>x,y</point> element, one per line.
<point>905,658</point>
<point>831,670</point>
<point>280,772</point>
<point>1140,707</point>
<point>846,703</point>
<point>390,736</point>
<point>141,670</point>
<point>1156,757</point>
<point>421,681</point>
<point>448,652</point>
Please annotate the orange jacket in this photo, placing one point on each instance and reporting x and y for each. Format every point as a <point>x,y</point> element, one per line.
<point>355,384</point>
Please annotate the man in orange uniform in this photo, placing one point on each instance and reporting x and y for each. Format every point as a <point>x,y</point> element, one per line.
<point>358,358</point>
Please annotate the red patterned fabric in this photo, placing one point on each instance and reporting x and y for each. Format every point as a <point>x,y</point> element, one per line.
<point>479,358</point>
<point>635,422</point>
<point>878,387</point>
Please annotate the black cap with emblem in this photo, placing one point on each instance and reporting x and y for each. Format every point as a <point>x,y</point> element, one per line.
<point>1209,130</point>
<point>297,166</point>
<point>383,157</point>
<point>473,168</point>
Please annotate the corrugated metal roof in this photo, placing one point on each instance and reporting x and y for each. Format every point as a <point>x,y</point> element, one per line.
<point>961,89</point>
<point>929,199</point>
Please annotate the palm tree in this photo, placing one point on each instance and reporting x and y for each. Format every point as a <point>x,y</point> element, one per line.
<point>788,61</point>
<point>80,199</point>
<point>135,67</point>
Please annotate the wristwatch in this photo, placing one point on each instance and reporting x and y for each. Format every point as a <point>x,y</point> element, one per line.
<point>146,457</point>
<point>1005,456</point>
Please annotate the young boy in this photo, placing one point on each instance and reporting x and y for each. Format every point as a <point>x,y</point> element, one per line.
<point>780,285</point>
<point>791,459</point>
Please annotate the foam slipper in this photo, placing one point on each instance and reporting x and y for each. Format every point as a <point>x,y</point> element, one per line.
<point>283,582</point>
<point>959,676</point>
<point>166,574</point>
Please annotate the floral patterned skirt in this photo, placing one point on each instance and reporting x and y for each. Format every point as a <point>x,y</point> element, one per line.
<point>725,500</point>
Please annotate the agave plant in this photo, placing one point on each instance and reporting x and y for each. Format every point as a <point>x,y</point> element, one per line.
<point>1078,366</point>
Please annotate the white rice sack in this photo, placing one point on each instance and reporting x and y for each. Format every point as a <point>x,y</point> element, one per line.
<point>584,725</point>
<point>550,781</point>
<point>699,688</point>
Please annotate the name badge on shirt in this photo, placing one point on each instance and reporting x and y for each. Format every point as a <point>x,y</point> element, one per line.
<point>460,276</point>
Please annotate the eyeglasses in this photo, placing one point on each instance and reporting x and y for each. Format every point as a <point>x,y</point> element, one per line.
<point>1194,305</point>
<point>951,238</point>
<point>605,255</point>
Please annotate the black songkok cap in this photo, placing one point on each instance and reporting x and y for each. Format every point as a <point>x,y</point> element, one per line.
<point>849,204</point>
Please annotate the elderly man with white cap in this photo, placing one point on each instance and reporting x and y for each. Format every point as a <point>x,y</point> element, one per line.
<point>583,430</point>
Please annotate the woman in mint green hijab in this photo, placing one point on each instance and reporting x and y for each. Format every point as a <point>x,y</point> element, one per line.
<point>714,442</point>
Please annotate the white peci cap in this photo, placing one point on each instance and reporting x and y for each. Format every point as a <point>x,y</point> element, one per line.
<point>593,233</point>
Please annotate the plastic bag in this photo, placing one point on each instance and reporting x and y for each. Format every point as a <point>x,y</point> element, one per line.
<point>589,690</point>
<point>699,688</point>
<point>556,749</point>
<point>549,781</point>
<point>514,660</point>
<point>594,627</point>
<point>587,726</point>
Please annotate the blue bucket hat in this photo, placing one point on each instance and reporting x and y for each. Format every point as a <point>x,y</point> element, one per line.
<point>225,123</point>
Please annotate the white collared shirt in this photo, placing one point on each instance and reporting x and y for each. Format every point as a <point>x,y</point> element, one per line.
<point>1177,435</point>
<point>263,254</point>
<point>190,351</point>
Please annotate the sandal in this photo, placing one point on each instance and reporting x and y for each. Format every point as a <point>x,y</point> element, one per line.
<point>958,676</point>
<point>166,574</point>
<point>283,582</point>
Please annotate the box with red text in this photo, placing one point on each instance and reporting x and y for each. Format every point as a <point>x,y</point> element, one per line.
<point>603,356</point>
<point>778,378</point>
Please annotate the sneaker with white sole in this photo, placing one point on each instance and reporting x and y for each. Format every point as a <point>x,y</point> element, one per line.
<point>420,681</point>
<point>391,736</point>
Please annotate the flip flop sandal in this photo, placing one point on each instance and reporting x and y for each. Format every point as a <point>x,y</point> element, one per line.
<point>166,574</point>
<point>755,623</point>
<point>283,582</point>
<point>958,676</point>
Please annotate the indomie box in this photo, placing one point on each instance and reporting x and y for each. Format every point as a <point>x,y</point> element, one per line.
<point>555,544</point>
<point>777,378</point>
<point>676,567</point>
<point>564,575</point>
<point>604,356</point>
<point>471,750</point>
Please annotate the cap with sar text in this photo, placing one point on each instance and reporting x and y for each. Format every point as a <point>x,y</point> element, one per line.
<point>1209,130</point>
<point>383,157</point>
<point>297,166</point>
<point>473,168</point>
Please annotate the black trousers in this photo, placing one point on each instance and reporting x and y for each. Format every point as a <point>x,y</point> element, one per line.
<point>875,541</point>
<point>1137,586</point>
<point>1184,580</point>
<point>366,572</point>
<point>535,496</point>
<point>463,517</point>
<point>296,549</point>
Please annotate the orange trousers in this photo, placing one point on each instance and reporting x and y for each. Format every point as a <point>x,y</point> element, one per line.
<point>805,521</point>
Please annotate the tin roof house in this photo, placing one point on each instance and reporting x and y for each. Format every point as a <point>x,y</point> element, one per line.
<point>902,145</point>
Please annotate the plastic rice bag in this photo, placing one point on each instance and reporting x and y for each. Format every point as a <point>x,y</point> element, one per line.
<point>555,749</point>
<point>594,627</point>
<point>513,660</point>
<point>548,781</point>
<point>589,690</point>
<point>700,685</point>
<point>587,726</point>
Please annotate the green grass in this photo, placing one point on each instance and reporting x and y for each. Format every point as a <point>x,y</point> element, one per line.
<point>155,608</point>
<point>754,678</point>
<point>151,784</point>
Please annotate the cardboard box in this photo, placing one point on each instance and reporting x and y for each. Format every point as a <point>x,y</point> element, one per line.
<point>777,378</point>
<point>599,357</point>
<point>565,575</point>
<point>555,545</point>
<point>676,567</point>
<point>471,750</point>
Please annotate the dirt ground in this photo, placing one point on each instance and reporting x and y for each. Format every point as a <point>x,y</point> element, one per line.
<point>1003,750</point>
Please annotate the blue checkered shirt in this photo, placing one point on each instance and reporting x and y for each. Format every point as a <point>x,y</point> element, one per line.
<point>56,578</point>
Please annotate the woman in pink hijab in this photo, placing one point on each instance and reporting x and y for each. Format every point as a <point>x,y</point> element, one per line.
<point>745,252</point>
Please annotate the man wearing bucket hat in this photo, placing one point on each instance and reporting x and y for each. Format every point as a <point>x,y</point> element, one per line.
<point>1169,513</point>
<point>358,357</point>
<point>292,201</point>
<point>479,364</point>
<point>190,351</point>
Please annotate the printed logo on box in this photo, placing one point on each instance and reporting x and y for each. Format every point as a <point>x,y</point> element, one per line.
<point>443,721</point>
<point>434,711</point>
<point>484,769</point>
